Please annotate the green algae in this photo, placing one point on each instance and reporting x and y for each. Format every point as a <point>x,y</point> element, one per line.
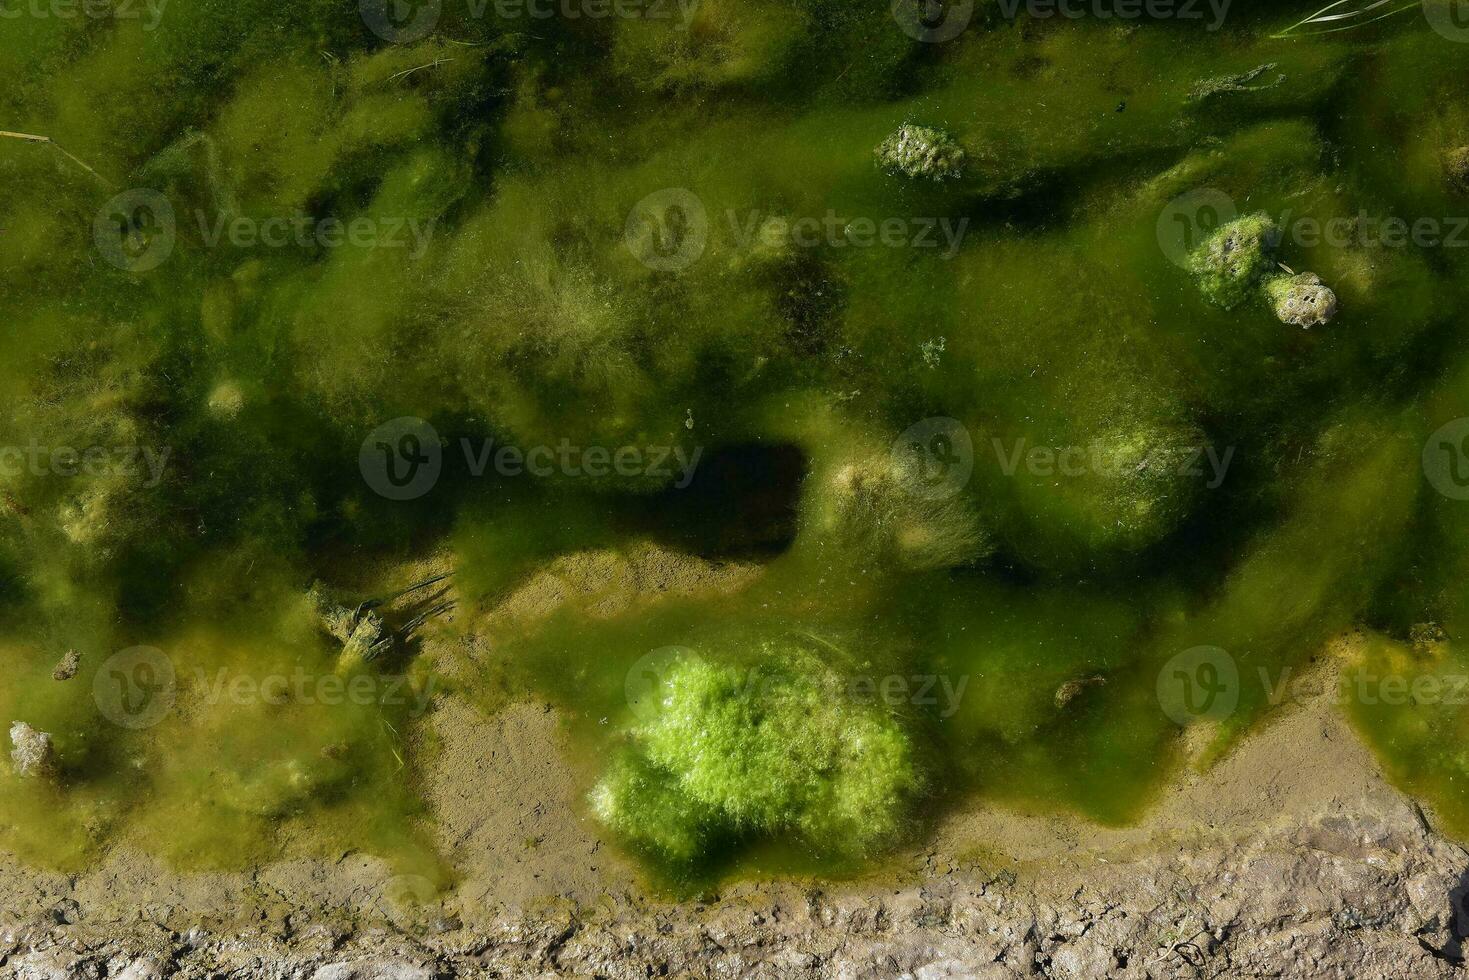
<point>1151,468</point>
<point>778,749</point>
<point>1231,262</point>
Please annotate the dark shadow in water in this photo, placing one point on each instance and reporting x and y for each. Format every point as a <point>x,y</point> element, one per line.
<point>741,503</point>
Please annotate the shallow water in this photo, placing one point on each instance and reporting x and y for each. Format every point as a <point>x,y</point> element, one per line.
<point>675,239</point>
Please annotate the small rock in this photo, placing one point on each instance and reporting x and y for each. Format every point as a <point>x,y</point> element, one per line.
<point>67,668</point>
<point>1456,168</point>
<point>144,969</point>
<point>66,912</point>
<point>1066,692</point>
<point>1302,300</point>
<point>919,151</point>
<point>33,753</point>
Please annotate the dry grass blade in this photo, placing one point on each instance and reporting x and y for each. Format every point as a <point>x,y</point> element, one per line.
<point>27,137</point>
<point>1346,15</point>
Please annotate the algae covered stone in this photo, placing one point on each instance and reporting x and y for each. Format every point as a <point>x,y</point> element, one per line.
<point>779,749</point>
<point>67,667</point>
<point>1456,168</point>
<point>32,753</point>
<point>1233,259</point>
<point>921,151</point>
<point>1302,299</point>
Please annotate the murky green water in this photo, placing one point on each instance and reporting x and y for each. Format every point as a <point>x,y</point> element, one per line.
<point>263,232</point>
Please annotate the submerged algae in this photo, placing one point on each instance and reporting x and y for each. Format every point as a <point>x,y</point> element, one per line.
<point>524,318</point>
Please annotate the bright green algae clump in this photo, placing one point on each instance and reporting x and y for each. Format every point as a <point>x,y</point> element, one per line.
<point>1232,261</point>
<point>1136,459</point>
<point>777,749</point>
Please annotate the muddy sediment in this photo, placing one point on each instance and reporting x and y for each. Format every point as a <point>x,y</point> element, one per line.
<point>1292,856</point>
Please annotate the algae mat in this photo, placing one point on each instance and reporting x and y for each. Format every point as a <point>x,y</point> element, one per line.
<point>842,413</point>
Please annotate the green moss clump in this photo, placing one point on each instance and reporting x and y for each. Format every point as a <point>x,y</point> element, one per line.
<point>921,151</point>
<point>1232,261</point>
<point>779,750</point>
<point>645,805</point>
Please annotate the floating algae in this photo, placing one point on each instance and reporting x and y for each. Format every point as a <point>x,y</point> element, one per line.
<point>778,749</point>
<point>1232,261</point>
<point>861,367</point>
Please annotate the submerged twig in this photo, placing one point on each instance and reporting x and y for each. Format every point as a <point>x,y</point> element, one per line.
<point>1242,82</point>
<point>29,138</point>
<point>408,71</point>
